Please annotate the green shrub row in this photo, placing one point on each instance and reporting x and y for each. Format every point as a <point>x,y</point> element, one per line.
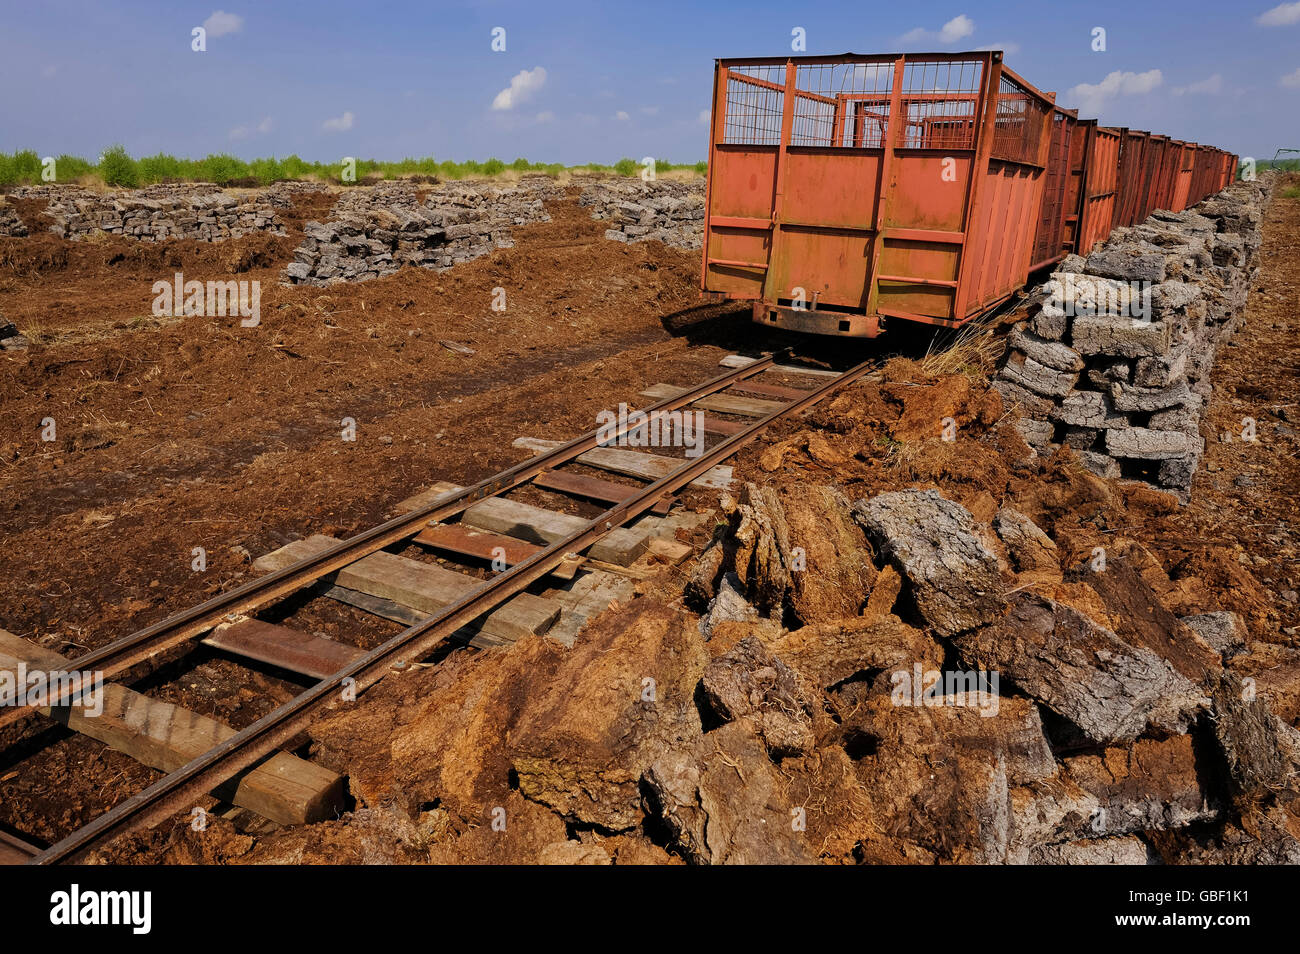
<point>117,168</point>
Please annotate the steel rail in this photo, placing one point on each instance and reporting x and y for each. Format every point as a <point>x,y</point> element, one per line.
<point>180,788</point>
<point>131,650</point>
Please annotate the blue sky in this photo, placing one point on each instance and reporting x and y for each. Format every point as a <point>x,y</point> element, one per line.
<point>372,79</point>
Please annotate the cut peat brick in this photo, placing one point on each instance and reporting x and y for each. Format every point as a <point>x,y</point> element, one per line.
<point>1143,620</point>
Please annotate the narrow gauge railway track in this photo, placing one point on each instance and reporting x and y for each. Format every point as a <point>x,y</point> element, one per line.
<point>121,655</point>
<point>179,789</point>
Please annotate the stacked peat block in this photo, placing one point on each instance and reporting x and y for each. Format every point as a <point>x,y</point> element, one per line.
<point>363,200</point>
<point>497,206</point>
<point>11,339</point>
<point>377,230</point>
<point>280,195</point>
<point>10,224</point>
<point>664,210</point>
<point>1114,357</point>
<point>200,211</point>
<point>358,247</point>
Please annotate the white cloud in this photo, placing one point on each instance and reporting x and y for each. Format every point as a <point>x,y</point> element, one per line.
<point>955,29</point>
<point>1091,97</point>
<point>522,87</point>
<point>49,71</point>
<point>339,123</point>
<point>650,110</point>
<point>243,132</point>
<point>545,116</point>
<point>1291,79</point>
<point>1284,14</point>
<point>621,116</point>
<point>221,23</point>
<point>705,116</point>
<point>1010,47</point>
<point>1211,85</point>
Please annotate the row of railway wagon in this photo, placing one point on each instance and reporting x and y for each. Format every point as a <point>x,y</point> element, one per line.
<point>850,190</point>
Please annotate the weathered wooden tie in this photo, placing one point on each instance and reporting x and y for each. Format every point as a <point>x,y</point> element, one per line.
<point>282,646</point>
<point>769,390</point>
<point>634,463</point>
<point>15,851</point>
<point>594,488</point>
<point>399,613</point>
<point>716,425</point>
<point>470,541</point>
<point>283,788</point>
<point>723,403</point>
<point>539,526</point>
<point>421,586</point>
<point>741,361</point>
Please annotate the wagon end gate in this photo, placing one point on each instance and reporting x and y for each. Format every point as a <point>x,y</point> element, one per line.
<point>1099,199</point>
<point>1058,215</point>
<point>846,190</point>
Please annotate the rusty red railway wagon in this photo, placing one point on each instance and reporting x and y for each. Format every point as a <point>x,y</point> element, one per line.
<point>1099,192</point>
<point>1132,163</point>
<point>843,190</point>
<point>1158,173</point>
<point>1053,238</point>
<point>848,191</point>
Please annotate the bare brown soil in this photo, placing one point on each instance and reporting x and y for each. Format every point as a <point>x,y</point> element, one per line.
<point>177,433</point>
<point>202,433</point>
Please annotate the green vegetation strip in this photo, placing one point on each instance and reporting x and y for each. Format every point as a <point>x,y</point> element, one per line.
<point>116,168</point>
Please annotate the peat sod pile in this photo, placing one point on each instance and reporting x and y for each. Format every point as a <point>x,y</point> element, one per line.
<point>201,211</point>
<point>11,225</point>
<point>664,210</point>
<point>1115,358</point>
<point>376,231</point>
